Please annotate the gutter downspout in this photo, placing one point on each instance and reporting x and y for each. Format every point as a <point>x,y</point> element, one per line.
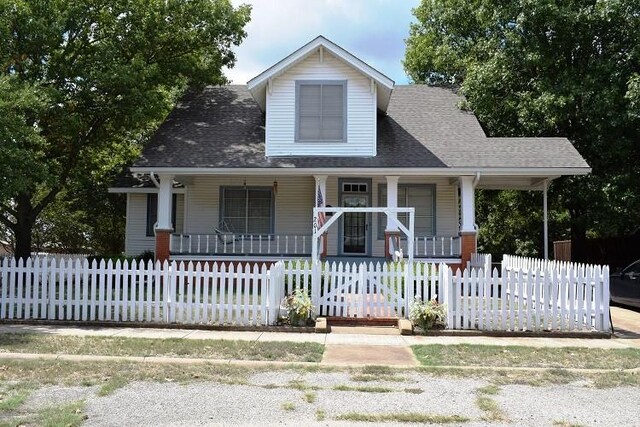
<point>152,175</point>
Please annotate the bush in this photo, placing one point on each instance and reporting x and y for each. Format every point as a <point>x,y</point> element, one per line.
<point>427,314</point>
<point>299,307</point>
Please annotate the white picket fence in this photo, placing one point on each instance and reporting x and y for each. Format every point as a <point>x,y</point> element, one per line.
<point>522,296</point>
<point>135,292</point>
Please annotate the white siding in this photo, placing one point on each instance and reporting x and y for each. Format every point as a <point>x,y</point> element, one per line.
<point>293,203</point>
<point>136,240</point>
<point>361,111</point>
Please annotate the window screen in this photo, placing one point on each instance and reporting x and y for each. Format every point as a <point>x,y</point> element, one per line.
<point>320,110</point>
<point>247,210</point>
<point>419,196</point>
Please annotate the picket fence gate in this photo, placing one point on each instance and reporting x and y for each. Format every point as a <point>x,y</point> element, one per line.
<point>525,295</point>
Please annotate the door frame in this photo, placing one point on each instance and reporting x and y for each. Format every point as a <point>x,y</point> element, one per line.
<point>368,218</point>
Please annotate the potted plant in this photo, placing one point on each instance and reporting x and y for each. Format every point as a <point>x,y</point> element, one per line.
<point>299,308</point>
<point>427,314</point>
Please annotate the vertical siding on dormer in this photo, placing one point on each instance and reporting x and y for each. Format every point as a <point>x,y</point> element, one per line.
<point>281,110</point>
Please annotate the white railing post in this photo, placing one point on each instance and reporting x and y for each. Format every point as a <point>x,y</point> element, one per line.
<point>316,276</point>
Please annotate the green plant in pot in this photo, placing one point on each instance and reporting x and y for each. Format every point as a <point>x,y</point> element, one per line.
<point>299,307</point>
<point>427,314</point>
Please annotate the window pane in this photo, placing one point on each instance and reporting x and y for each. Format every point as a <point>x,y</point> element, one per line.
<point>152,212</point>
<point>332,128</point>
<point>259,203</point>
<point>309,127</point>
<point>309,100</point>
<point>332,100</point>
<point>234,202</point>
<point>259,226</point>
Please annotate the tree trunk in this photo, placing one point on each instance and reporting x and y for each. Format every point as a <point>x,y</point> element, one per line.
<point>24,226</point>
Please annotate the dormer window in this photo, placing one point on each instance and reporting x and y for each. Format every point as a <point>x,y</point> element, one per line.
<point>321,111</point>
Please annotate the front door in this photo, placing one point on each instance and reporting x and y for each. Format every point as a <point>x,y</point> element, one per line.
<point>355,230</point>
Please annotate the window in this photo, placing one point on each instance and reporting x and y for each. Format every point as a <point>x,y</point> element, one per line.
<point>152,212</point>
<point>419,196</point>
<point>321,111</point>
<point>247,210</point>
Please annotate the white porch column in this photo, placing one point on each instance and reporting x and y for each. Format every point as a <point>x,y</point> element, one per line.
<point>392,200</point>
<point>468,233</point>
<point>467,205</point>
<point>164,226</point>
<point>546,220</point>
<point>164,203</point>
<point>320,202</point>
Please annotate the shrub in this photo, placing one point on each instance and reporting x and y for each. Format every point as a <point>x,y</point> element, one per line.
<point>427,314</point>
<point>299,307</point>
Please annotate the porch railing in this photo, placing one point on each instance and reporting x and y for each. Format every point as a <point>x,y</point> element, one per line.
<point>434,246</point>
<point>240,244</point>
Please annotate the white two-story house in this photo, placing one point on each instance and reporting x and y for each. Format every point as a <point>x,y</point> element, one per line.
<point>235,171</point>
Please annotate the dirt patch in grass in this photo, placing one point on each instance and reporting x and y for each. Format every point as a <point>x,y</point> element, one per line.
<point>364,389</point>
<point>70,415</point>
<point>403,417</point>
<point>521,356</point>
<point>490,408</point>
<point>12,395</point>
<point>111,385</point>
<point>168,347</point>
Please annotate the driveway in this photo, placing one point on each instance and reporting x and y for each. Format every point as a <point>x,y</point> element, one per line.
<point>626,324</point>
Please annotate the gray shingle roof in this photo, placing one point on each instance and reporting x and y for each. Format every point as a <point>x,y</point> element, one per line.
<point>223,127</point>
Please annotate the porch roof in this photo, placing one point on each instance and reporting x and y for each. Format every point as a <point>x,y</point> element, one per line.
<point>224,128</point>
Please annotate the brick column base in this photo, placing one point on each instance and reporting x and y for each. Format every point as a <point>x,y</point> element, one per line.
<point>388,235</point>
<point>468,246</point>
<point>162,244</point>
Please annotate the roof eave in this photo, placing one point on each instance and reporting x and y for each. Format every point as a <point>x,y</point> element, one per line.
<point>443,171</point>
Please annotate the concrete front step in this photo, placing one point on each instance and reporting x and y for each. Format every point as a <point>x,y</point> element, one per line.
<point>362,321</point>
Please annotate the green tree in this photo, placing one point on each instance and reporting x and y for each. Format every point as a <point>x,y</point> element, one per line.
<point>547,68</point>
<point>81,80</point>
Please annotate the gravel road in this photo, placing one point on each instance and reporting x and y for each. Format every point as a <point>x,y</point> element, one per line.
<point>310,398</point>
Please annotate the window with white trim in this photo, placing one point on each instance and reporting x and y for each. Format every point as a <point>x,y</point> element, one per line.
<point>247,210</point>
<point>418,196</point>
<point>321,111</point>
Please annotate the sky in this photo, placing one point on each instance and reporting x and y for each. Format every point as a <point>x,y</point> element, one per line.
<point>372,30</point>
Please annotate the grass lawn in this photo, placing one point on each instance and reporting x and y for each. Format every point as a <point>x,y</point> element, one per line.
<point>169,347</point>
<point>530,357</point>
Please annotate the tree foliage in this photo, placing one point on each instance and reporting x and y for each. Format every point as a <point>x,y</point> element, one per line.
<point>547,68</point>
<point>82,83</point>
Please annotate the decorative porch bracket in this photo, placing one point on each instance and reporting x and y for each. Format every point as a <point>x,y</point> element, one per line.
<point>392,215</point>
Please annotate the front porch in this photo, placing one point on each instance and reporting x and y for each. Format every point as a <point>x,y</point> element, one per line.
<point>241,218</point>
